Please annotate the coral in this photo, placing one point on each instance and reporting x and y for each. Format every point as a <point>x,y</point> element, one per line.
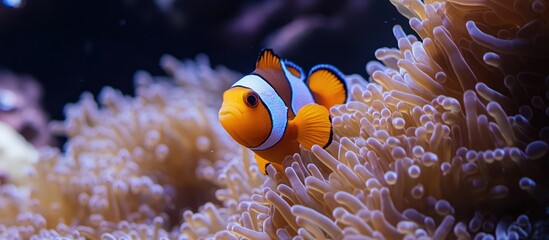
<point>20,108</point>
<point>301,19</point>
<point>276,24</point>
<point>17,156</point>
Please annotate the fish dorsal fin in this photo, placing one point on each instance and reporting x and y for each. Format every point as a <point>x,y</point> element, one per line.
<point>295,70</point>
<point>327,85</point>
<point>267,59</point>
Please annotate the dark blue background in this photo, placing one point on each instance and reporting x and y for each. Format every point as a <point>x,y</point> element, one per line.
<point>72,46</point>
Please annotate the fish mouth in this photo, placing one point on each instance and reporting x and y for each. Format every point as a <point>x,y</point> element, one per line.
<point>229,116</point>
<point>227,112</point>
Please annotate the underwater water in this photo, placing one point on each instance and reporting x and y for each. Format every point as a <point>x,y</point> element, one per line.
<point>84,46</point>
<point>109,124</point>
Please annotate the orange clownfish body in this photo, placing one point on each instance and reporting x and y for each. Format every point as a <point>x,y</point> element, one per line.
<point>275,108</point>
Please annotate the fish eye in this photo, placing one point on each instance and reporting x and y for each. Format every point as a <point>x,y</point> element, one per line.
<point>251,99</point>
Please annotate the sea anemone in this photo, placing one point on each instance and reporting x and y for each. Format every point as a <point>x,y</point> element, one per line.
<point>448,139</point>
<point>20,108</point>
<point>129,166</point>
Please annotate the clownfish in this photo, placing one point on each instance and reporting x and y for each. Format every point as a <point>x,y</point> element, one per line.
<point>274,109</point>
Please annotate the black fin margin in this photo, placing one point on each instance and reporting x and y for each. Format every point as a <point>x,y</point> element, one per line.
<point>340,76</point>
<point>298,68</point>
<point>266,165</point>
<point>331,134</point>
<point>262,53</point>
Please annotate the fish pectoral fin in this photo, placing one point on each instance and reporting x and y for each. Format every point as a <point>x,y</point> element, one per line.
<point>263,163</point>
<point>327,85</point>
<point>314,126</point>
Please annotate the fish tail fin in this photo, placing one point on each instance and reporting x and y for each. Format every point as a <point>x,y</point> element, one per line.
<point>314,126</point>
<point>327,85</point>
